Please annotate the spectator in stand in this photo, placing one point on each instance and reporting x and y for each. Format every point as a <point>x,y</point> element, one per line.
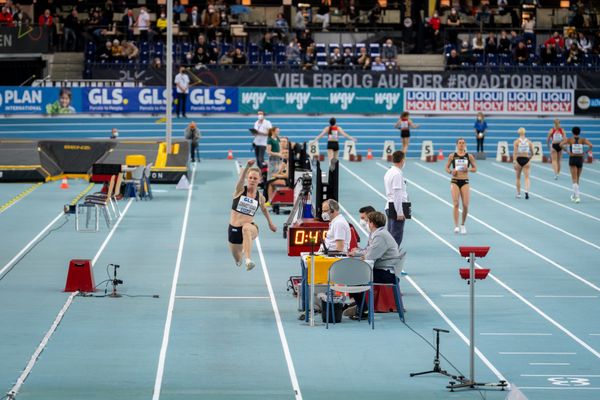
<point>389,52</point>
<point>266,43</point>
<point>157,63</point>
<point>504,43</point>
<point>521,54</point>
<point>116,50</point>
<point>105,53</point>
<point>557,40</point>
<point>363,60</point>
<point>202,42</point>
<point>348,58</point>
<point>483,15</point>
<point>453,60</point>
<point>201,58</point>
<point>72,31</point>
<point>193,24</point>
<point>214,55</point>
<point>336,60</point>
<point>478,44</point>
<point>529,30</point>
<point>548,53</point>
<point>514,40</point>
<point>292,53</point>
<point>309,58</point>
<point>127,24</point>
<point>224,26</point>
<point>453,24</point>
<point>143,24</point>
<point>306,39</point>
<point>434,26</point>
<point>129,51</point>
<point>491,46</point>
<point>596,48</point>
<point>323,14</point>
<point>20,17</point>
<point>578,21</point>
<point>281,27</point>
<point>45,20</point>
<point>211,21</point>
<point>161,25</point>
<point>584,43</point>
<point>6,18</point>
<point>571,39</point>
<point>93,24</point>
<point>574,55</point>
<point>299,22</point>
<point>504,9</point>
<point>178,11</point>
<point>238,58</point>
<point>378,65</point>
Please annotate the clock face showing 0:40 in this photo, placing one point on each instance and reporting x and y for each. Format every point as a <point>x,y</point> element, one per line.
<point>307,236</point>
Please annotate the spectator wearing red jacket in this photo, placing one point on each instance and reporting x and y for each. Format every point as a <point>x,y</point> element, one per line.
<point>6,17</point>
<point>559,42</point>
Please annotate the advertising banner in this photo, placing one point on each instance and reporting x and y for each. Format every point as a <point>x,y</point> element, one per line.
<point>24,39</point>
<point>587,102</point>
<point>500,101</point>
<point>321,101</point>
<point>55,101</point>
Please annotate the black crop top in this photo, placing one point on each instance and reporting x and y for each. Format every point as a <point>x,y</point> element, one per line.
<point>246,205</point>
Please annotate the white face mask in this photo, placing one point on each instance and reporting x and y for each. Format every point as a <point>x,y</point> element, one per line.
<point>261,117</point>
<point>364,224</point>
<point>325,216</point>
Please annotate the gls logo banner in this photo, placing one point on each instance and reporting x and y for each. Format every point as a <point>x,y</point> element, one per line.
<point>213,100</point>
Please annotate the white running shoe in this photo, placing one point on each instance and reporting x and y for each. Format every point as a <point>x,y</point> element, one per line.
<point>555,177</point>
<point>463,230</point>
<point>577,199</point>
<point>573,198</point>
<point>518,195</point>
<point>456,229</point>
<point>250,265</point>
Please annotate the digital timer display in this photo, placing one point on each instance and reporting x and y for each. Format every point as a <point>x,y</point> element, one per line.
<point>301,238</point>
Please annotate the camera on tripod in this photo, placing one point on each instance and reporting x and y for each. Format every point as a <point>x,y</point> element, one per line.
<point>306,180</point>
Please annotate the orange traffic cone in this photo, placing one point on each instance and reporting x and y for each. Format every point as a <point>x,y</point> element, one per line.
<point>369,154</point>
<point>230,155</point>
<point>440,155</point>
<point>590,157</point>
<point>65,183</point>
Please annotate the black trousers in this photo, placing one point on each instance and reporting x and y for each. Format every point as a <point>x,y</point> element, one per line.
<point>396,228</point>
<point>259,152</point>
<point>480,143</point>
<point>181,102</point>
<point>194,151</point>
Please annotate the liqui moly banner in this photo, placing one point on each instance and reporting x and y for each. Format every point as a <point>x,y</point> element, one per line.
<point>497,101</point>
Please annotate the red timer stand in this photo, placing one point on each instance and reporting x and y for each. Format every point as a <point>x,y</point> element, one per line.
<point>472,275</point>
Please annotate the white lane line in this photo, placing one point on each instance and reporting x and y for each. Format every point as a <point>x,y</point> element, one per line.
<point>541,221</point>
<point>533,194</point>
<point>38,351</point>
<point>28,245</point>
<point>515,334</point>
<point>568,189</point>
<point>594,334</point>
<point>557,388</point>
<point>492,276</point>
<point>453,326</point>
<point>538,353</point>
<point>507,237</point>
<point>477,295</point>
<point>561,374</point>
<point>540,363</point>
<point>565,297</point>
<point>222,297</point>
<point>567,175</point>
<point>280,330</point>
<point>160,370</point>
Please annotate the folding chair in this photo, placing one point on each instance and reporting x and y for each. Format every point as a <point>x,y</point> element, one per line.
<point>398,265</point>
<point>95,202</point>
<point>350,275</point>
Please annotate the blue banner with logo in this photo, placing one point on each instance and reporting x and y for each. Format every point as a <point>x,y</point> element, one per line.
<point>60,101</point>
<point>321,101</point>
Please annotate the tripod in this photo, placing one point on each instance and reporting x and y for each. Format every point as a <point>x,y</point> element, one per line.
<point>115,282</point>
<point>436,360</point>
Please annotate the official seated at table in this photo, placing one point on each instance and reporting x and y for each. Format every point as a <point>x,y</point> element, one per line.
<point>338,236</point>
<point>383,251</point>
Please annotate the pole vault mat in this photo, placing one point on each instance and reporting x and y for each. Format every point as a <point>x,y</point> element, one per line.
<point>44,160</point>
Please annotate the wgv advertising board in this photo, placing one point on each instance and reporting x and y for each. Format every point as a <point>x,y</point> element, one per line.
<point>497,101</point>
<point>320,101</point>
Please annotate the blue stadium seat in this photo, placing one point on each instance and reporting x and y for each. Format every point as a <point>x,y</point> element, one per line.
<point>492,59</point>
<point>374,50</point>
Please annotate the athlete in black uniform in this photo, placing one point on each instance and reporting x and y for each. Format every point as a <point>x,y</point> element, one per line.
<point>459,164</point>
<point>246,201</point>
<point>575,147</point>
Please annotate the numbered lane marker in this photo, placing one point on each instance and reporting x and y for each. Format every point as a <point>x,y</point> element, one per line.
<point>349,148</point>
<point>537,152</point>
<point>388,149</point>
<point>313,149</point>
<point>426,149</point>
<point>502,151</point>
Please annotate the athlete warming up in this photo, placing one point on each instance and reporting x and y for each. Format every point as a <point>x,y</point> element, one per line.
<point>459,165</point>
<point>554,139</point>
<point>522,153</point>
<point>246,201</point>
<point>333,133</point>
<point>575,148</point>
<point>404,124</point>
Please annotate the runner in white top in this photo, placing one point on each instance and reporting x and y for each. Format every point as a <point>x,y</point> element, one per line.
<point>522,153</point>
<point>338,236</point>
<point>554,139</point>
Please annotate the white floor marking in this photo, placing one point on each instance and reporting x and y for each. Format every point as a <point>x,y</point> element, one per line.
<point>537,353</point>
<point>515,334</point>
<point>492,276</point>
<point>481,356</point>
<point>561,374</point>
<point>557,388</point>
<point>477,295</point>
<point>38,351</point>
<point>222,297</point>
<point>540,363</point>
<point>504,235</point>
<point>565,297</point>
<point>160,370</point>
<point>541,221</point>
<point>533,194</point>
<point>548,182</point>
<point>28,245</point>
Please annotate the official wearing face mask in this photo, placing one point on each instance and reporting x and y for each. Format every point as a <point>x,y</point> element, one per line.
<point>364,224</point>
<point>261,133</point>
<point>338,235</point>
